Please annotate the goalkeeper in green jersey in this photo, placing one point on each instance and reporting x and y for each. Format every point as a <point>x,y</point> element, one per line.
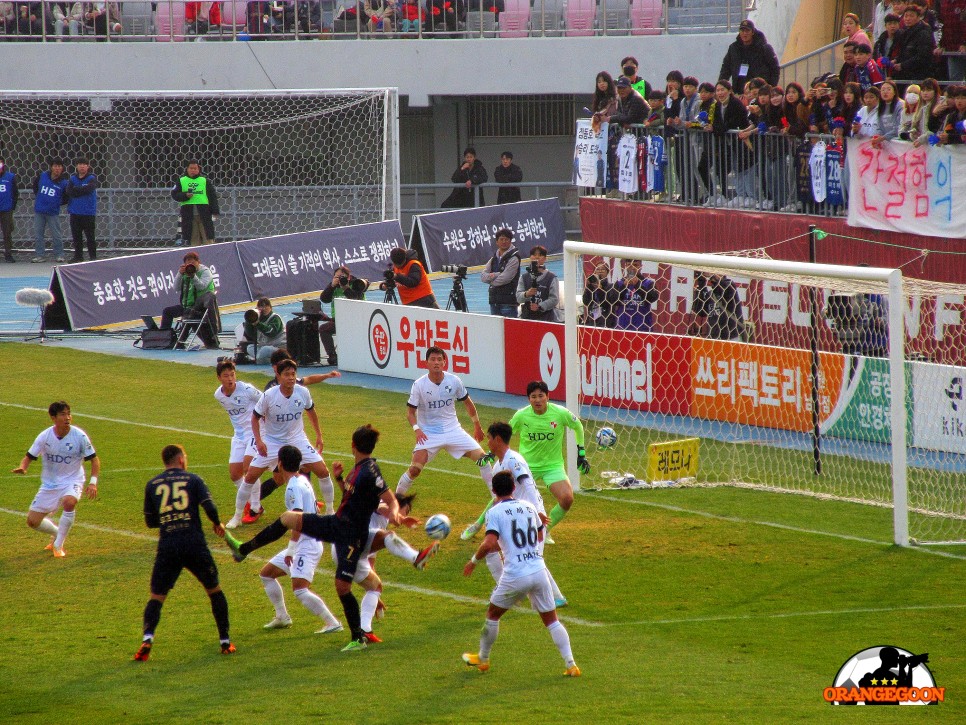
<point>542,428</point>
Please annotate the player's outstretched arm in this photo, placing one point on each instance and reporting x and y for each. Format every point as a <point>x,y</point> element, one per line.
<point>22,468</point>
<point>320,377</point>
<point>475,417</point>
<point>488,545</point>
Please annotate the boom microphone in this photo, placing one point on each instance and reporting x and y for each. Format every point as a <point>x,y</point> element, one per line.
<point>33,297</point>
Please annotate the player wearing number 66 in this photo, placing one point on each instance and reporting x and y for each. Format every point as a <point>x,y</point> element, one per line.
<point>517,529</point>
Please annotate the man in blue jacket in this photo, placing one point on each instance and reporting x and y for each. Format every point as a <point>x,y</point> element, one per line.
<point>49,188</point>
<point>8,202</point>
<point>82,208</point>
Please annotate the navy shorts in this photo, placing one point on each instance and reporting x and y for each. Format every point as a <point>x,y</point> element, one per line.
<point>349,544</point>
<point>191,555</point>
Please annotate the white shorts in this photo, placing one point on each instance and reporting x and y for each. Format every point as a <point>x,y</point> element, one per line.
<point>536,586</point>
<point>241,447</point>
<point>456,442</point>
<point>363,569</point>
<point>309,454</point>
<point>306,559</point>
<point>47,500</point>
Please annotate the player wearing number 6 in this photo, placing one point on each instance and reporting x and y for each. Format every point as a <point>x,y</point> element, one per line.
<point>171,502</point>
<point>63,448</point>
<point>516,528</point>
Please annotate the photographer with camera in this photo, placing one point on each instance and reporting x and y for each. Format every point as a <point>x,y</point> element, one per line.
<point>343,284</point>
<point>199,206</point>
<point>196,293</point>
<point>502,273</point>
<point>410,276</point>
<point>538,290</point>
<point>263,332</point>
<point>717,309</point>
<point>599,298</point>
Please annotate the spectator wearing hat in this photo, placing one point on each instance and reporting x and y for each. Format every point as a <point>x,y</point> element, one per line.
<point>749,56</point>
<point>631,107</point>
<point>507,173</point>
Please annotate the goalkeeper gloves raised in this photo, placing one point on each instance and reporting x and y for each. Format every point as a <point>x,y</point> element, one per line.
<point>485,460</point>
<point>583,465</point>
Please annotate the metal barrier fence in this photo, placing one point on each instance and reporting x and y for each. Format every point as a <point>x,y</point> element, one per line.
<point>766,172</point>
<point>827,59</point>
<point>181,20</point>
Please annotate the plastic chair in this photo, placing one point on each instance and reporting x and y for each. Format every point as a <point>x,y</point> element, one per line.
<point>546,18</point>
<point>614,17</point>
<point>169,22</point>
<point>138,21</point>
<point>579,17</point>
<point>515,19</point>
<point>646,17</point>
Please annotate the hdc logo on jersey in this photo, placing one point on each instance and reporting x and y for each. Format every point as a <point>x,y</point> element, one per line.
<point>885,676</point>
<point>57,458</point>
<point>550,360</point>
<point>437,404</point>
<point>236,411</point>
<point>540,436</point>
<point>287,417</point>
<point>380,339</point>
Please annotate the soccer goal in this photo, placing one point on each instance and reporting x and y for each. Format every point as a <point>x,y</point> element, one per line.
<point>281,161</point>
<point>829,381</point>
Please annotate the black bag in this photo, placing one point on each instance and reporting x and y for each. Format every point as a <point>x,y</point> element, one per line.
<point>156,340</point>
<point>302,339</point>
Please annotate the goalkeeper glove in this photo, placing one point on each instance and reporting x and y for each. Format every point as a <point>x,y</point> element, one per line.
<point>583,465</point>
<point>486,460</point>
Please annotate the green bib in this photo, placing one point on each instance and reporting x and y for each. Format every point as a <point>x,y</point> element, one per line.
<point>199,185</point>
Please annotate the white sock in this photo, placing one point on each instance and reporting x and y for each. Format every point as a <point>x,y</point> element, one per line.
<point>47,527</point>
<point>63,526</point>
<point>370,600</point>
<point>486,473</point>
<point>558,633</point>
<point>557,594</point>
<point>328,494</point>
<point>241,497</point>
<point>494,562</point>
<point>276,596</point>
<point>255,500</point>
<point>490,630</point>
<point>404,483</point>
<point>313,602</point>
<point>397,547</point>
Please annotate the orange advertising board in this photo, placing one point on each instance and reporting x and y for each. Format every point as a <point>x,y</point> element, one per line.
<point>761,385</point>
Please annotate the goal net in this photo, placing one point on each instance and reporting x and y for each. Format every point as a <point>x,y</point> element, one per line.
<point>829,381</point>
<point>281,161</point>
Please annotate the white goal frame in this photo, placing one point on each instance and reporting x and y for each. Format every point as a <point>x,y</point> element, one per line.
<point>573,251</point>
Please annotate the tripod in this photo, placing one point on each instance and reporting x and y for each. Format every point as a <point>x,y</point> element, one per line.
<point>390,298</point>
<point>42,337</point>
<point>457,296</point>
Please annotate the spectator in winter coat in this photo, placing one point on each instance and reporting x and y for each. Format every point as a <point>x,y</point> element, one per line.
<point>507,173</point>
<point>470,173</point>
<point>749,56</point>
<point>916,45</point>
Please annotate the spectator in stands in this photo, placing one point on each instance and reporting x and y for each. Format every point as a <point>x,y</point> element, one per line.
<point>750,92</point>
<point>866,70</point>
<point>952,13</point>
<point>411,280</point>
<point>825,105</point>
<point>501,274</point>
<point>716,308</point>
<point>343,284</point>
<point>199,205</point>
<point>952,124</point>
<point>8,19</point>
<point>684,125</point>
<point>599,298</point>
<point>9,195</point>
<point>655,117</point>
<point>911,103</point>
<point>309,13</point>
<point>635,297</point>
<point>349,17</point>
<point>196,295</point>
<point>264,332</point>
<point>538,290</point>
<point>29,20</point>
<point>890,112</point>
<point>445,15</point>
<point>729,115</point>
<point>380,15</point>
<point>507,173</point>
<point>705,119</point>
<point>886,46</point>
<point>49,188</point>
<point>847,73</point>
<point>673,94</point>
<point>629,66</point>
<point>866,122</point>
<point>924,121</point>
<point>98,17</point>
<point>200,17</point>
<point>631,108</point>
<point>882,9</point>
<point>916,45</point>
<point>794,120</point>
<point>779,152</point>
<point>82,207</point>
<point>470,174</point>
<point>852,29</point>
<point>64,18</point>
<point>851,103</point>
<point>410,16</point>
<point>605,99</point>
<point>749,56</point>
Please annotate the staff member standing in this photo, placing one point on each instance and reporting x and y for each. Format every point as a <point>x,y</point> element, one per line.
<point>502,273</point>
<point>199,205</point>
<point>414,286</point>
<point>82,208</point>
<point>8,203</point>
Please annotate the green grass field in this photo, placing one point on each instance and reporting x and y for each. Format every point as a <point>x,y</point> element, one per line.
<point>691,605</point>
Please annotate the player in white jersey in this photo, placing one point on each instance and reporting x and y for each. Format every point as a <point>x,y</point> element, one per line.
<point>238,398</point>
<point>517,529</point>
<point>302,555</point>
<point>63,448</point>
<point>277,421</point>
<point>431,412</point>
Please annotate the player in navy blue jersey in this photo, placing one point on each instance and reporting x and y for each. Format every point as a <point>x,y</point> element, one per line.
<point>171,503</point>
<point>348,528</point>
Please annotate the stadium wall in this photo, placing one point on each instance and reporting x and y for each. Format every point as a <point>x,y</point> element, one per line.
<point>686,229</point>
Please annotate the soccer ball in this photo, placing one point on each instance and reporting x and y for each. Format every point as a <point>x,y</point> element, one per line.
<point>606,437</point>
<point>437,526</point>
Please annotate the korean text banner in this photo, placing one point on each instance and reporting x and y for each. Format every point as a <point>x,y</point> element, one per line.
<point>468,236</point>
<point>902,188</point>
<point>292,264</point>
<point>590,155</point>
<point>122,289</point>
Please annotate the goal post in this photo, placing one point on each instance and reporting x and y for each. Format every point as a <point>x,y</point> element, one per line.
<point>749,399</point>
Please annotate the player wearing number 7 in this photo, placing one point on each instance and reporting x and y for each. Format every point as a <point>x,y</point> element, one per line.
<point>516,528</point>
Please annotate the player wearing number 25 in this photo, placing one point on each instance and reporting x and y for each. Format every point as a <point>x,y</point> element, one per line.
<point>171,503</point>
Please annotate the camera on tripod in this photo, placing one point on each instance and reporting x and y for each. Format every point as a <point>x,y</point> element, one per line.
<point>534,269</point>
<point>390,276</point>
<point>458,269</point>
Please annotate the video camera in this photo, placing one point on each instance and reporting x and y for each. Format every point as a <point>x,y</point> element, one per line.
<point>458,269</point>
<point>534,269</point>
<point>190,270</point>
<point>389,275</point>
<point>914,661</point>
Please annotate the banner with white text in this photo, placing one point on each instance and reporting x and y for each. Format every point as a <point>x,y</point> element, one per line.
<point>901,188</point>
<point>590,155</point>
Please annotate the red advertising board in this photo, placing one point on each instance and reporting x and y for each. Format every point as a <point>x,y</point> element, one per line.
<point>534,351</point>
